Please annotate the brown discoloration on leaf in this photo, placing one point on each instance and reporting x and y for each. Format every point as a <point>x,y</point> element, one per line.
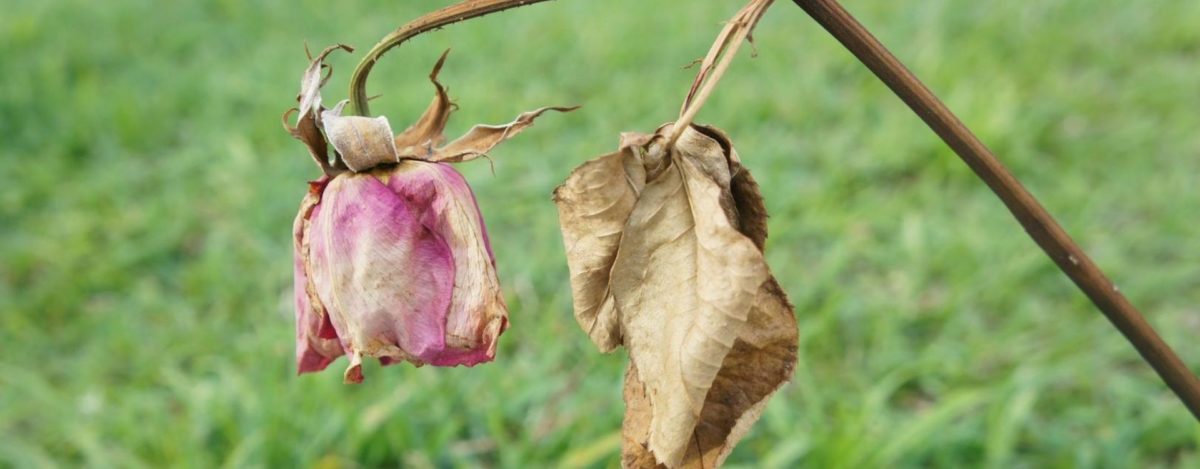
<point>762,358</point>
<point>752,212</point>
<point>312,81</point>
<point>306,131</point>
<point>666,259</point>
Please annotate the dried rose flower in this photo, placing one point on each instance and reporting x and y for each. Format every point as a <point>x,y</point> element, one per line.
<point>392,257</point>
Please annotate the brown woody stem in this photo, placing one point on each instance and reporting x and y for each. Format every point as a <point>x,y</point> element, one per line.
<point>437,19</point>
<point>1033,217</point>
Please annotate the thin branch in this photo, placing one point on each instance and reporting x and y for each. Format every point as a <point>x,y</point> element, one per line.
<point>1033,217</point>
<point>446,16</point>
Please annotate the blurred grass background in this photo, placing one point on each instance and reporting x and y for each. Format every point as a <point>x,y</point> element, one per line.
<point>148,195</point>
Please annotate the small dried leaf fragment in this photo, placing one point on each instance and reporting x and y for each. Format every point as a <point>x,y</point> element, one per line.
<point>482,138</point>
<point>426,133</point>
<point>664,246</point>
<point>316,341</point>
<point>308,124</point>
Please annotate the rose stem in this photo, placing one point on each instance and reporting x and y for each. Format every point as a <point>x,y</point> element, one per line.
<point>434,20</point>
<point>1033,217</point>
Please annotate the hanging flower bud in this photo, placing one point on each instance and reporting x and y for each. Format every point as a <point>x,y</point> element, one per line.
<point>399,259</point>
<point>392,257</point>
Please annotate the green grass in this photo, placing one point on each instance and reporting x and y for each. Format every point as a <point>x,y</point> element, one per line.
<point>145,258</point>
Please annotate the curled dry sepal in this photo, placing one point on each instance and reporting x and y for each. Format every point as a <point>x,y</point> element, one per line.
<point>392,259</point>
<point>665,248</point>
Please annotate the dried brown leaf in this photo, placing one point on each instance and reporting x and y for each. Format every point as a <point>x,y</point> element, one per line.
<point>482,138</point>
<point>308,120</point>
<point>312,81</point>
<point>307,132</point>
<point>664,249</point>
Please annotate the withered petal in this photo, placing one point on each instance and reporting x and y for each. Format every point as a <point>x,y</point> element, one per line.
<point>400,259</point>
<point>477,313</point>
<point>385,277</point>
<point>316,341</point>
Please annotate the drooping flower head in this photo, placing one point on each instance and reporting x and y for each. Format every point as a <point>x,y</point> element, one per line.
<point>392,259</point>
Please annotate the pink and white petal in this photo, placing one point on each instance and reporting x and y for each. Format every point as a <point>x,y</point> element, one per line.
<point>385,278</point>
<point>477,313</point>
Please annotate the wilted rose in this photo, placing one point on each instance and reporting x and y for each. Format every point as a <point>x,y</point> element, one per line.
<point>392,257</point>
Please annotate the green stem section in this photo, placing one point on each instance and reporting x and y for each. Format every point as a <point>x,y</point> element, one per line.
<point>437,19</point>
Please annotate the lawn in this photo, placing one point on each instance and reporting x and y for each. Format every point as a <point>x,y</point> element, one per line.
<point>149,191</point>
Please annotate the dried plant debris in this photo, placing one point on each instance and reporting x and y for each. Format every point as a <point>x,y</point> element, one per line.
<point>392,259</point>
<point>665,249</point>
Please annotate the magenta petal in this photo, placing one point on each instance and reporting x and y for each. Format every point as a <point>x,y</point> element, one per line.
<point>314,349</point>
<point>477,313</point>
<point>384,276</point>
<point>313,352</point>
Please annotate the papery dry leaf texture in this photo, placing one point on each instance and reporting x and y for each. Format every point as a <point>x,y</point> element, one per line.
<point>392,259</point>
<point>664,246</point>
